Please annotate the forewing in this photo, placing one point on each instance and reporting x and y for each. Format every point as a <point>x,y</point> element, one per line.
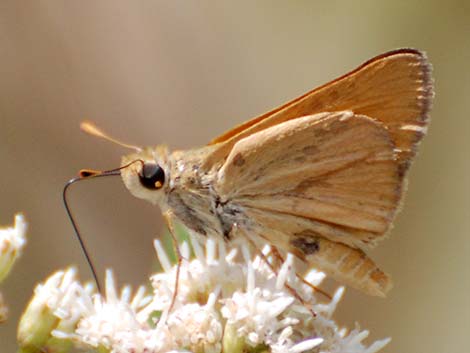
<point>333,174</point>
<point>394,88</point>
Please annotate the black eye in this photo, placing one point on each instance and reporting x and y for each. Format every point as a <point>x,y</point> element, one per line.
<point>152,176</point>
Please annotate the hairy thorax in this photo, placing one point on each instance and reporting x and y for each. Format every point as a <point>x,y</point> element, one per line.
<point>193,199</point>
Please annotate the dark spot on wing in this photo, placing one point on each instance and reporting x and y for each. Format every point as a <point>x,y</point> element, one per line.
<point>308,246</point>
<point>238,160</point>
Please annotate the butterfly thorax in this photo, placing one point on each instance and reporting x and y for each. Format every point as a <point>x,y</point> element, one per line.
<point>192,198</point>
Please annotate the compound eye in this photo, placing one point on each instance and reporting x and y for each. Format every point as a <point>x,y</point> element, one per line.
<point>152,176</point>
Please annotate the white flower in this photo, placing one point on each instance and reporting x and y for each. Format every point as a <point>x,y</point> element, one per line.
<point>198,327</point>
<point>109,321</point>
<point>199,277</point>
<point>12,241</point>
<point>57,303</point>
<point>256,312</point>
<point>228,301</point>
<point>285,344</point>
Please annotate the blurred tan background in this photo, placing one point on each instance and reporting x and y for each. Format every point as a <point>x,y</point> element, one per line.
<point>182,72</point>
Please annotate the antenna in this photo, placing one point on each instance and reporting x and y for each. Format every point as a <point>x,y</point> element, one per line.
<point>86,174</point>
<point>91,129</point>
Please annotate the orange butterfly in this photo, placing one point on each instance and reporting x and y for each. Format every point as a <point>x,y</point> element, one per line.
<point>321,176</point>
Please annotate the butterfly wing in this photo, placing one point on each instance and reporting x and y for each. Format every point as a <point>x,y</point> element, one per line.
<point>346,264</point>
<point>337,171</point>
<point>395,88</point>
<point>332,177</point>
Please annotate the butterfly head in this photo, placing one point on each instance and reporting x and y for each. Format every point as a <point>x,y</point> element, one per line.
<point>147,174</point>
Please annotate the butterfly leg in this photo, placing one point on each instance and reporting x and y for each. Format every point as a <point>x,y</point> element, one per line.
<point>278,255</point>
<point>168,217</point>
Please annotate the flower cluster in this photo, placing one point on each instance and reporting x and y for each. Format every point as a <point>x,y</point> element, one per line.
<point>228,300</point>
<point>12,241</point>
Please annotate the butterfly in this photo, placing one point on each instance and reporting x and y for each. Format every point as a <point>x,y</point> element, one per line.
<point>321,176</point>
